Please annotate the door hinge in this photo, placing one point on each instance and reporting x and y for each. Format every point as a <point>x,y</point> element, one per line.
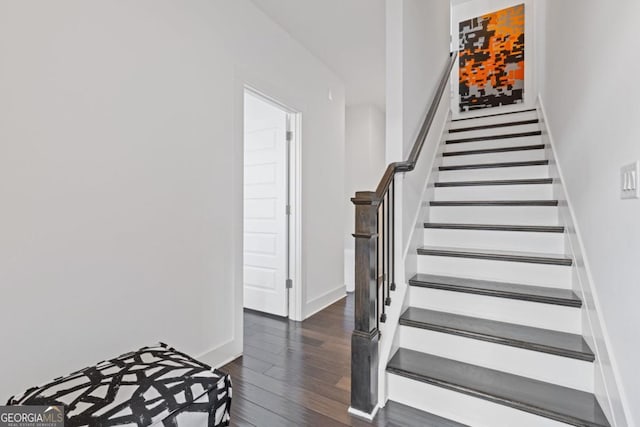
<point>288,210</point>
<point>289,135</point>
<point>289,283</point>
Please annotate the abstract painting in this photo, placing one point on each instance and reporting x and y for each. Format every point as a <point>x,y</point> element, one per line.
<point>492,59</point>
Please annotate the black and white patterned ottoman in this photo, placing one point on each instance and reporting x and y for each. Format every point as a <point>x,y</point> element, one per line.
<point>154,386</point>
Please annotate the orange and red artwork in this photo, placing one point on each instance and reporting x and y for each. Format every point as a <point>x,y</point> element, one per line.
<point>492,59</point>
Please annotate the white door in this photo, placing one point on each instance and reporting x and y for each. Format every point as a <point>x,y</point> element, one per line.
<point>265,202</point>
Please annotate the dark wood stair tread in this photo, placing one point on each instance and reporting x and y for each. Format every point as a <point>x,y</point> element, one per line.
<point>494,150</point>
<point>493,203</point>
<point>539,294</point>
<point>495,165</point>
<point>526,337</point>
<point>493,137</point>
<point>536,181</point>
<point>495,126</point>
<point>495,255</point>
<point>493,115</point>
<point>497,227</point>
<point>559,403</point>
<point>398,415</point>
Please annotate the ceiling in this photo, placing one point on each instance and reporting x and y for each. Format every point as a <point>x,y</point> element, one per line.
<point>348,36</point>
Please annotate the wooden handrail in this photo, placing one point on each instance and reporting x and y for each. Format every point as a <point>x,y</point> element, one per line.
<point>410,163</point>
<point>375,263</point>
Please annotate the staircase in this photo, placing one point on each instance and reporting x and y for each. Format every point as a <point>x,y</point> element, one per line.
<point>491,335</point>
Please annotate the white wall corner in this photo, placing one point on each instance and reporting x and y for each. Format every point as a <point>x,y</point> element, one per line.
<point>323,301</point>
<point>608,390</point>
<point>222,354</point>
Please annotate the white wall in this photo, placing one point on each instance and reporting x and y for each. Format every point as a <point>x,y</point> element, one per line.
<point>121,176</point>
<point>364,166</point>
<point>591,103</point>
<point>417,49</point>
<point>475,8</point>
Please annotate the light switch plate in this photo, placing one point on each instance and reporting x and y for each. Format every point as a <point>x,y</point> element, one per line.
<point>630,181</point>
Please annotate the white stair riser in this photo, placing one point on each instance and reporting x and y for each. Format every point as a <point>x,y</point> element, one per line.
<point>460,407</point>
<point>506,130</point>
<point>495,143</point>
<point>511,156</point>
<point>564,371</point>
<point>507,215</point>
<point>500,271</point>
<point>495,192</point>
<point>534,314</point>
<point>481,121</point>
<point>524,172</point>
<point>501,240</point>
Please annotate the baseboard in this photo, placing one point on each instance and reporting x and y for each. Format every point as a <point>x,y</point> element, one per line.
<point>364,415</point>
<point>607,376</point>
<point>325,300</point>
<point>221,355</point>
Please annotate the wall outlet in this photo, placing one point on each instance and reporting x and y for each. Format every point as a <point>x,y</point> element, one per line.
<point>630,181</point>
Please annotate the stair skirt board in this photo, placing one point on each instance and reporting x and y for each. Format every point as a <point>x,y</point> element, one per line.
<point>518,312</point>
<point>460,407</point>
<point>564,371</point>
<point>514,215</point>
<point>502,192</point>
<point>492,239</point>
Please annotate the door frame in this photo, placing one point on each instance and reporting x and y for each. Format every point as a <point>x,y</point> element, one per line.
<point>294,192</point>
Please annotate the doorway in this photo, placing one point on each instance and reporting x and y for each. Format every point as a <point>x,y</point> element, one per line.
<point>269,200</point>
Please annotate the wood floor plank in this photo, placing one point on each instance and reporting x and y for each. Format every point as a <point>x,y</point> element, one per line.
<point>256,414</point>
<point>301,384</point>
<point>293,412</point>
<point>298,374</point>
<point>344,383</point>
<point>255,364</point>
<point>288,374</point>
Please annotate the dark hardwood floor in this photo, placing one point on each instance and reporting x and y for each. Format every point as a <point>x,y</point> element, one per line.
<point>297,374</point>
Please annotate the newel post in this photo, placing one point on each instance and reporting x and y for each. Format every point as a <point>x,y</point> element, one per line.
<point>364,340</point>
